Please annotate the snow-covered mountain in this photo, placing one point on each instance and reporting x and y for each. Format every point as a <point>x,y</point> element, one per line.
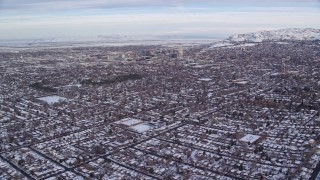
<point>294,34</point>
<point>282,35</point>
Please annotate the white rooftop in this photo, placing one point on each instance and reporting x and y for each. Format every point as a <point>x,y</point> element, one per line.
<point>129,121</point>
<point>250,138</point>
<point>141,128</point>
<point>205,79</point>
<point>241,82</point>
<point>52,99</point>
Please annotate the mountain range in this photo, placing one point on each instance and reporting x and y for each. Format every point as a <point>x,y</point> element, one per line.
<point>282,35</point>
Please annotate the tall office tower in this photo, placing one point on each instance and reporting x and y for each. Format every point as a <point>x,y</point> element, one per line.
<point>180,52</point>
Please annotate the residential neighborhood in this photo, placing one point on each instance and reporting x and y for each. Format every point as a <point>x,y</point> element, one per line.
<point>161,112</point>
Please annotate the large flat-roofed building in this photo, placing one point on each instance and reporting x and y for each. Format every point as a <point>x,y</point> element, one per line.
<point>250,138</point>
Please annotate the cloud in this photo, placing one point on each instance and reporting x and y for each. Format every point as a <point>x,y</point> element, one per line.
<point>64,18</point>
<point>54,5</point>
<point>213,24</point>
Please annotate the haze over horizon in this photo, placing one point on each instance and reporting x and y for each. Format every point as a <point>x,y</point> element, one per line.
<point>35,19</point>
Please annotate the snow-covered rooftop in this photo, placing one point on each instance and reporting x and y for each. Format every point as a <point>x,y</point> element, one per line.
<point>250,138</point>
<point>129,121</point>
<point>52,99</point>
<point>141,128</point>
<point>205,79</point>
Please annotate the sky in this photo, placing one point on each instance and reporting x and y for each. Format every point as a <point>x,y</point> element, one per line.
<point>42,19</point>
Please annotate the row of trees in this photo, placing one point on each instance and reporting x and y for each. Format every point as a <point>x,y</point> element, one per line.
<point>42,87</point>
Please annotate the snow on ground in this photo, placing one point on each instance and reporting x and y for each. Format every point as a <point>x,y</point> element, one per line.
<point>229,45</point>
<point>222,44</point>
<point>250,138</point>
<point>129,121</point>
<point>141,128</point>
<point>278,35</point>
<point>282,43</point>
<point>52,99</point>
<point>242,45</point>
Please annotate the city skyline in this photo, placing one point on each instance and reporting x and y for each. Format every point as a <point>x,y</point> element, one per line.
<point>33,19</point>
